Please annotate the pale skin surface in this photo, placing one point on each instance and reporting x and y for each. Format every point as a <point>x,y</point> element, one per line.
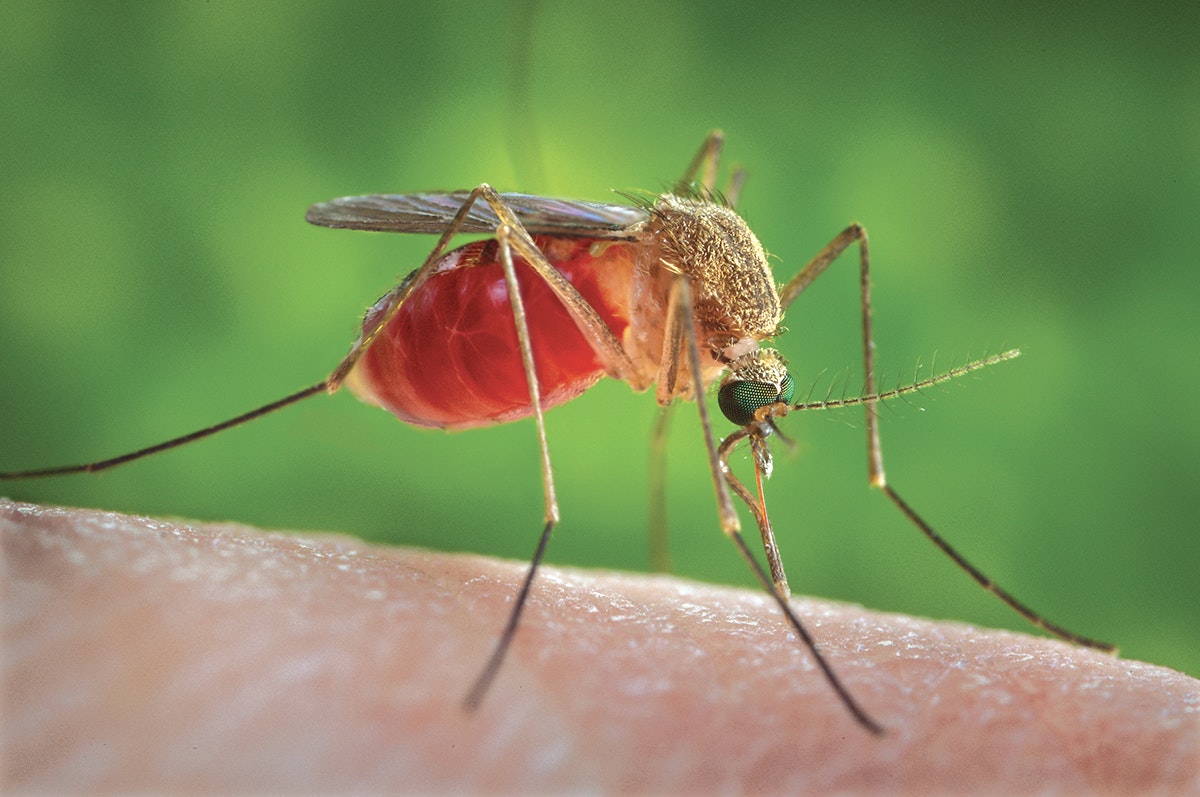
<point>159,657</point>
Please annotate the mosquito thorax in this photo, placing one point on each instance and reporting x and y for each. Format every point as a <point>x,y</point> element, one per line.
<point>755,380</point>
<point>734,290</point>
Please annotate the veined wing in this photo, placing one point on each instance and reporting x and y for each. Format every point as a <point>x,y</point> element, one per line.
<point>431,213</point>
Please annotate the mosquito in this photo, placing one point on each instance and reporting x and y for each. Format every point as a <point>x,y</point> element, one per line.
<point>672,291</point>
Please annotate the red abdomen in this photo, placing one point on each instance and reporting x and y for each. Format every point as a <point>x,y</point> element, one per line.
<point>450,358</point>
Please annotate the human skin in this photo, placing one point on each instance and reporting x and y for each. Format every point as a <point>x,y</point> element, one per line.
<point>158,656</point>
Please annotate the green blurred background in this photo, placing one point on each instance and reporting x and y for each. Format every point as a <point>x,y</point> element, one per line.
<point>1029,178</point>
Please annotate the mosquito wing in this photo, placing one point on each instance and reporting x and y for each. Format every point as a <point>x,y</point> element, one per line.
<point>431,213</point>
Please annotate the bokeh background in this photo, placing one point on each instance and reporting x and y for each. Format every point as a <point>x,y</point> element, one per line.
<point>1030,177</point>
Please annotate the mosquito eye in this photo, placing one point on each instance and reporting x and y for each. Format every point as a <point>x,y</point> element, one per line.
<point>739,399</point>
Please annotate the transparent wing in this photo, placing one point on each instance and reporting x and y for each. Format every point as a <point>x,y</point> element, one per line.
<point>431,213</point>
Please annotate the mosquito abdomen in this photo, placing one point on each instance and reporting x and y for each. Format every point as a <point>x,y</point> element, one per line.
<point>449,358</point>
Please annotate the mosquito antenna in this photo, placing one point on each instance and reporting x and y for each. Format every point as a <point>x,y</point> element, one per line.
<point>830,403</point>
<point>105,464</point>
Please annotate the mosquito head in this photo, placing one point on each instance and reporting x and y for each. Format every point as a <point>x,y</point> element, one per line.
<point>755,380</point>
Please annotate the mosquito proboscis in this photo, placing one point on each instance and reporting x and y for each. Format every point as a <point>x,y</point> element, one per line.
<point>672,291</point>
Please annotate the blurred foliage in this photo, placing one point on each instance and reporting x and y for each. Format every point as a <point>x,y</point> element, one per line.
<point>1030,177</point>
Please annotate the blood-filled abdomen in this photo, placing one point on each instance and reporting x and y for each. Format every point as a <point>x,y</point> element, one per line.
<point>450,358</point>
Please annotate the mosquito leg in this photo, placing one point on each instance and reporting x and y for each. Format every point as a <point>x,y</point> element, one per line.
<point>679,318</point>
<point>810,272</point>
<point>604,343</point>
<point>681,326</point>
<point>660,549</point>
<point>511,235</point>
<point>707,159</point>
<point>535,393</point>
<point>668,368</point>
<point>105,464</point>
<point>991,586</point>
<point>402,291</point>
<point>860,715</point>
<point>331,384</point>
<point>733,191</point>
<point>394,299</point>
<point>479,689</point>
<point>815,267</point>
<point>681,297</point>
<point>875,470</point>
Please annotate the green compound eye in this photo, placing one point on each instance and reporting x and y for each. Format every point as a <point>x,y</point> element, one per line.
<point>739,399</point>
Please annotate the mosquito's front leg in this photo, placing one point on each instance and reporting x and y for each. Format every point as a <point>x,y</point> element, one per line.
<point>875,471</point>
<point>681,312</point>
<point>796,286</point>
<point>706,161</point>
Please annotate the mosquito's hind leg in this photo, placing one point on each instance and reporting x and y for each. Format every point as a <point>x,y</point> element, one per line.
<point>875,470</point>
<point>175,442</point>
<point>331,384</point>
